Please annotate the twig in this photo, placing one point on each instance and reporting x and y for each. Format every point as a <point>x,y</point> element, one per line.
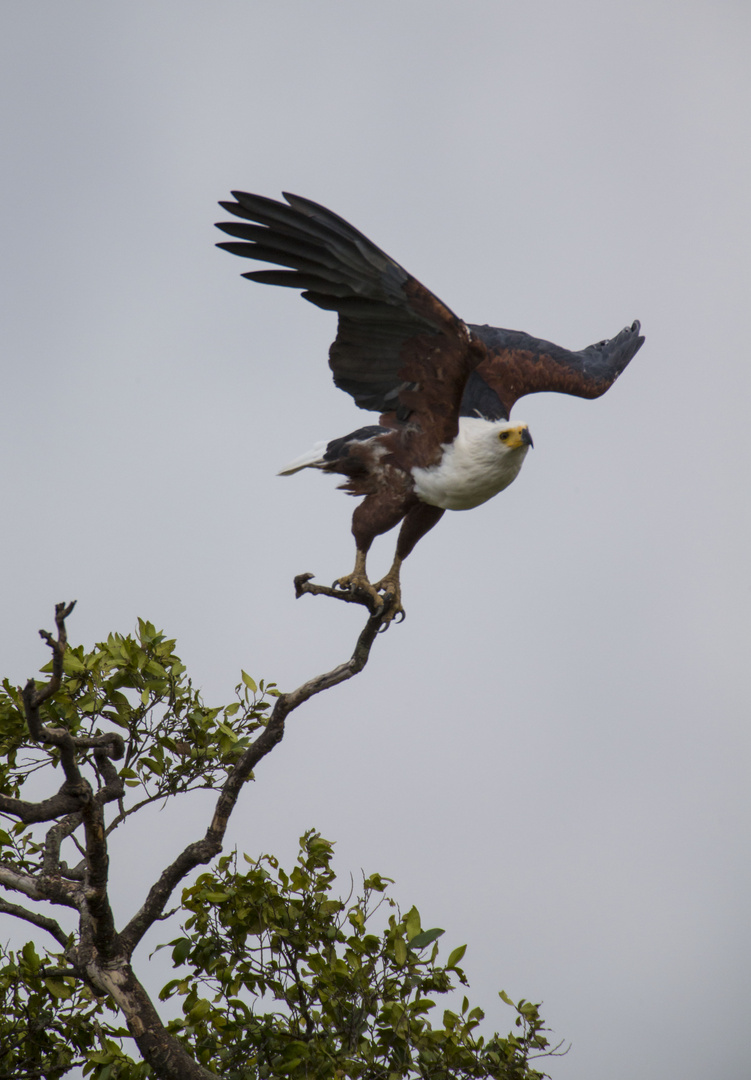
<point>303,584</point>
<point>62,611</point>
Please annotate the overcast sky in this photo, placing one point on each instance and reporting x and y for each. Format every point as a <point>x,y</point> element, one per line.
<point>551,754</point>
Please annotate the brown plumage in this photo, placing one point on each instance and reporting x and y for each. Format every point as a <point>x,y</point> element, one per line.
<point>444,388</point>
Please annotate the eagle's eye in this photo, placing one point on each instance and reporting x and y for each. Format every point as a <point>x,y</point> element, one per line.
<point>503,436</point>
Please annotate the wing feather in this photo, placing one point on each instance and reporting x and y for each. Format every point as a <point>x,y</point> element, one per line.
<point>518,364</point>
<point>398,349</point>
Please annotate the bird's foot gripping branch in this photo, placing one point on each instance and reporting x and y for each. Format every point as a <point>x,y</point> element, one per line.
<point>276,975</point>
<point>385,607</point>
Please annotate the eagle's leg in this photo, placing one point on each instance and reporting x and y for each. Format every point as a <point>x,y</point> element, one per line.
<point>358,579</point>
<point>419,520</point>
<point>376,514</point>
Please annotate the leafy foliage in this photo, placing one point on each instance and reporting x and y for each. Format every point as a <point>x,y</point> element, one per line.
<point>277,975</point>
<point>286,979</point>
<point>45,1018</point>
<point>174,743</point>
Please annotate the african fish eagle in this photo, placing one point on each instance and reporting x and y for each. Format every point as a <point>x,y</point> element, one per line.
<point>444,388</point>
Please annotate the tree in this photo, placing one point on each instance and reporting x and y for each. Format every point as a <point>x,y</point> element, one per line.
<point>276,973</point>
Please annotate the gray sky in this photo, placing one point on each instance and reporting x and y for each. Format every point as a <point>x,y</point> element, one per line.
<point>551,754</point>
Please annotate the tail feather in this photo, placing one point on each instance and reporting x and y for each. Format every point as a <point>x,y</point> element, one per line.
<point>313,459</point>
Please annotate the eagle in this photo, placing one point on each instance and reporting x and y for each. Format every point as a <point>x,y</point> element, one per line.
<point>444,388</point>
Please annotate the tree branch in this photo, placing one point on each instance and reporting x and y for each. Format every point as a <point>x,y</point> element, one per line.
<point>74,793</point>
<point>36,697</point>
<point>76,790</point>
<point>202,851</point>
<point>42,921</point>
<point>67,801</point>
<point>303,584</point>
<point>42,888</point>
<point>162,1051</point>
<point>103,932</point>
<point>53,842</point>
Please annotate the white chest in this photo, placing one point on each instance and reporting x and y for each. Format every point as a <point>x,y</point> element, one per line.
<point>474,468</point>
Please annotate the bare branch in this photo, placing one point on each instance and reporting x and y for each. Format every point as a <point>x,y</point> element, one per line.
<point>202,851</point>
<point>377,605</point>
<point>53,842</point>
<point>42,888</point>
<point>62,611</point>
<point>34,696</point>
<point>303,584</point>
<point>195,854</point>
<point>67,801</point>
<point>111,742</point>
<point>76,791</point>
<point>103,931</point>
<point>286,703</point>
<point>114,785</point>
<point>58,737</point>
<point>42,921</point>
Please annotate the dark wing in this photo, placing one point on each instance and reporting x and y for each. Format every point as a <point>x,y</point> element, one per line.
<point>518,364</point>
<point>398,349</point>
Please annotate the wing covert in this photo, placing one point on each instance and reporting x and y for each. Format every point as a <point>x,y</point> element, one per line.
<point>518,364</point>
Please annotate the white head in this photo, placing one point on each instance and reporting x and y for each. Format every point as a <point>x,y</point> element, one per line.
<point>483,459</point>
<point>514,436</point>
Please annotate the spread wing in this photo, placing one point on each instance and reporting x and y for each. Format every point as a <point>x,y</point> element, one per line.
<point>399,350</point>
<point>517,364</point>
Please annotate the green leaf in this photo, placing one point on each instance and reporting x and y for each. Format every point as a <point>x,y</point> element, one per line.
<point>181,950</point>
<point>250,683</point>
<point>419,941</point>
<point>412,923</point>
<point>456,956</point>
<point>400,951</point>
<point>330,907</point>
<point>29,954</point>
<point>58,989</point>
<point>201,1008</point>
<point>71,664</point>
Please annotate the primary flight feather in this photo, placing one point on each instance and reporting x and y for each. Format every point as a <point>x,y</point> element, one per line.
<point>444,388</point>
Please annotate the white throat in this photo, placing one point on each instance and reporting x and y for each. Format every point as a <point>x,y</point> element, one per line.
<point>474,467</point>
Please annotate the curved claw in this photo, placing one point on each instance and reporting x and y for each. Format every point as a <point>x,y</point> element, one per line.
<point>354,582</point>
<point>392,602</point>
<point>398,617</point>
